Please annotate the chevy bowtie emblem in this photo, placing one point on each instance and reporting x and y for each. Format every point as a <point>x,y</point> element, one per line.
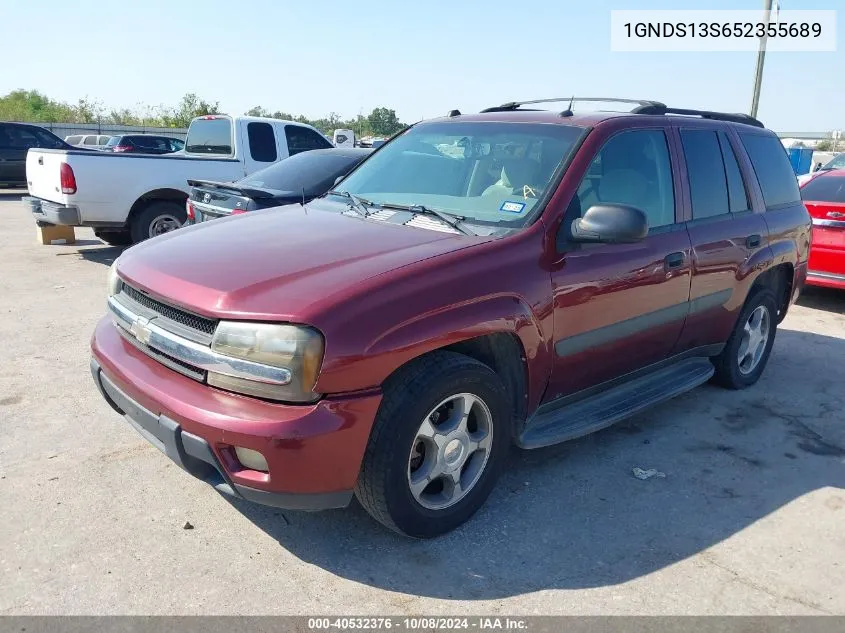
<point>835,214</point>
<point>140,329</point>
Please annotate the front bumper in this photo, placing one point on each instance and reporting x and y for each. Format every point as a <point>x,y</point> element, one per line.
<point>313,452</point>
<point>51,212</point>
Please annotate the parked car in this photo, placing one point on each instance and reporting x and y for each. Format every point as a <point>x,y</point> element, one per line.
<point>88,141</point>
<point>837,162</point>
<point>391,339</point>
<point>128,197</point>
<point>144,144</point>
<point>824,197</point>
<point>300,178</point>
<point>16,139</point>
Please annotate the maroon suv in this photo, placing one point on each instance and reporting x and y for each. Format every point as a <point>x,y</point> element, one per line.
<point>514,276</point>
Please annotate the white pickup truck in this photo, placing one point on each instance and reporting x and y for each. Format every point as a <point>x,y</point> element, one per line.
<point>129,197</point>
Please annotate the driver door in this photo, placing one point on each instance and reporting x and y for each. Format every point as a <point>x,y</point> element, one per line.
<point>621,307</point>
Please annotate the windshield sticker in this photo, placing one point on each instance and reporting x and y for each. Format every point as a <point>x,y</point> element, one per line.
<point>512,207</point>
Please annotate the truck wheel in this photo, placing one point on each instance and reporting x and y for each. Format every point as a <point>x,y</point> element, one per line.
<point>438,444</point>
<point>158,218</point>
<point>115,238</point>
<point>747,351</point>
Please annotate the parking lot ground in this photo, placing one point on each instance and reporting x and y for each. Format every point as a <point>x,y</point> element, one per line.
<point>750,518</point>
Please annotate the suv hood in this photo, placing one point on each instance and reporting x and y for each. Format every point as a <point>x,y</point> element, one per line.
<point>277,264</point>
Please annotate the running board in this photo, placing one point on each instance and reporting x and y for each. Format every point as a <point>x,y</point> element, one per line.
<point>595,412</point>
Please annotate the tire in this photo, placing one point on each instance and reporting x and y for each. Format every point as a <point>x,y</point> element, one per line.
<point>115,238</point>
<point>158,217</point>
<point>411,397</point>
<point>731,373</point>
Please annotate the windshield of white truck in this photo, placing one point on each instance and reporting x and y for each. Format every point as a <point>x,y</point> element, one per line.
<point>210,135</point>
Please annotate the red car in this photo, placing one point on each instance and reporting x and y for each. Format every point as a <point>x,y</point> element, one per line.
<point>509,277</point>
<point>824,197</point>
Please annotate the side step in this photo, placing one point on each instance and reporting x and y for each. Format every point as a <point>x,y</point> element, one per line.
<point>555,424</point>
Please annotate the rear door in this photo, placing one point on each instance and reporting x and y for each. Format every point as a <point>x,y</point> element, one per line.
<point>724,230</point>
<point>824,197</point>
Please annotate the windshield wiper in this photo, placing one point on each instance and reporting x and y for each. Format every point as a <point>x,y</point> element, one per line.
<point>452,219</point>
<point>355,203</point>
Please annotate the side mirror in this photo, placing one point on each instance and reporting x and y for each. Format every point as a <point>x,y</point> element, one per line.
<point>610,224</point>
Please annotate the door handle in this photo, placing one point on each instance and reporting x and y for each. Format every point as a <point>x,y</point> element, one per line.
<point>753,241</point>
<point>673,260</point>
<point>40,160</point>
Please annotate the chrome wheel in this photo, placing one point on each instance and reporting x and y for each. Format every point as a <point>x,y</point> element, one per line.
<point>450,451</point>
<point>754,339</point>
<point>164,224</point>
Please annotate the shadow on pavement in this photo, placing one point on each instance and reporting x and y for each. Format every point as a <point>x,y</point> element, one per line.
<point>573,516</point>
<point>820,298</point>
<point>12,196</point>
<point>104,255</point>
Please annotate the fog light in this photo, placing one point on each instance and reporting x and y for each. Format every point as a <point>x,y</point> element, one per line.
<point>251,459</point>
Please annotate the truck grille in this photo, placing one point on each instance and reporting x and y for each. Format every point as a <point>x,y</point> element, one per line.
<point>193,321</point>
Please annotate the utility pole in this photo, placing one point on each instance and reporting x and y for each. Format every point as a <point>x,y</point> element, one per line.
<point>761,58</point>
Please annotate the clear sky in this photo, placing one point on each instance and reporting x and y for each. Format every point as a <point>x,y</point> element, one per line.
<point>419,58</point>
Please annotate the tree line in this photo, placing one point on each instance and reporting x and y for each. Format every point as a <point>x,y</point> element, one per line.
<point>32,106</point>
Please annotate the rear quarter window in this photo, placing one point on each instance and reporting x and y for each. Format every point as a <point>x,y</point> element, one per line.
<point>772,168</point>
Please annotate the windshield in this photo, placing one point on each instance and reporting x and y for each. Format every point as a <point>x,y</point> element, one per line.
<point>826,188</point>
<point>211,135</point>
<point>314,171</point>
<point>483,171</point>
<point>838,162</point>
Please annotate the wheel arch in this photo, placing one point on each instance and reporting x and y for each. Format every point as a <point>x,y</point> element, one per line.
<point>165,194</point>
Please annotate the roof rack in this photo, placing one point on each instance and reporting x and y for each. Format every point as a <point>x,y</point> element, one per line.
<point>513,105</point>
<point>736,117</point>
<point>643,106</point>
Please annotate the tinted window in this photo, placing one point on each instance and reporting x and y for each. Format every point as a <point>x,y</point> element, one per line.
<point>303,139</point>
<point>632,168</point>
<point>176,144</point>
<point>210,136</point>
<point>771,165</point>
<point>45,138</point>
<point>23,137</point>
<point>736,187</point>
<point>73,140</point>
<point>315,171</point>
<point>114,140</point>
<point>90,140</point>
<point>824,189</point>
<point>262,142</point>
<point>706,173</point>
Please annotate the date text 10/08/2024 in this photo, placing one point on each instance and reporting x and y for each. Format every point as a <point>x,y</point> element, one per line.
<point>418,623</point>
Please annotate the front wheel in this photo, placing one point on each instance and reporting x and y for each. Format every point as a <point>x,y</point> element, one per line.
<point>747,351</point>
<point>437,446</point>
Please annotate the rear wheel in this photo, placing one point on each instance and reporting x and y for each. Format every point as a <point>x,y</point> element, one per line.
<point>158,218</point>
<point>437,446</point>
<point>115,238</point>
<point>747,351</point>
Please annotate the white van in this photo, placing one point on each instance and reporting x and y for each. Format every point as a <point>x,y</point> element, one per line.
<point>343,138</point>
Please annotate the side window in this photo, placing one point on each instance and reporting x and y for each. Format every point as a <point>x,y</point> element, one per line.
<point>262,142</point>
<point>73,140</point>
<point>25,139</point>
<point>302,139</point>
<point>706,172</point>
<point>632,168</point>
<point>771,165</point>
<point>737,193</point>
<point>45,139</point>
<point>90,140</point>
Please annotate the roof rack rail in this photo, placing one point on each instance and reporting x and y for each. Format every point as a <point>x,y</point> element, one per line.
<point>514,105</point>
<point>704,114</point>
<point>643,106</point>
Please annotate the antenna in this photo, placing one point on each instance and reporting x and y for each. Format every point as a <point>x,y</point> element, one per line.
<point>303,196</point>
<point>568,111</point>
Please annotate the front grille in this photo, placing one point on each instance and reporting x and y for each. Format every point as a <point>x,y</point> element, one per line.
<point>165,359</point>
<point>178,315</point>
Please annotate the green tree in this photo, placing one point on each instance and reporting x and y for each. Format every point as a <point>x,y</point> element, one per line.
<point>824,146</point>
<point>258,111</point>
<point>189,107</point>
<point>384,122</point>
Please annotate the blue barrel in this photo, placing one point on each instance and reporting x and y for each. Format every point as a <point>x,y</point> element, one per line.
<point>801,159</point>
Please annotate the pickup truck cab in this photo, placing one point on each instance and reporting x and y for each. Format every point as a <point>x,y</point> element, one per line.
<point>129,197</point>
<point>510,277</point>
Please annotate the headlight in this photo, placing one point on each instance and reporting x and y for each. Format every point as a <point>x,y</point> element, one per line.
<point>114,281</point>
<point>296,348</point>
